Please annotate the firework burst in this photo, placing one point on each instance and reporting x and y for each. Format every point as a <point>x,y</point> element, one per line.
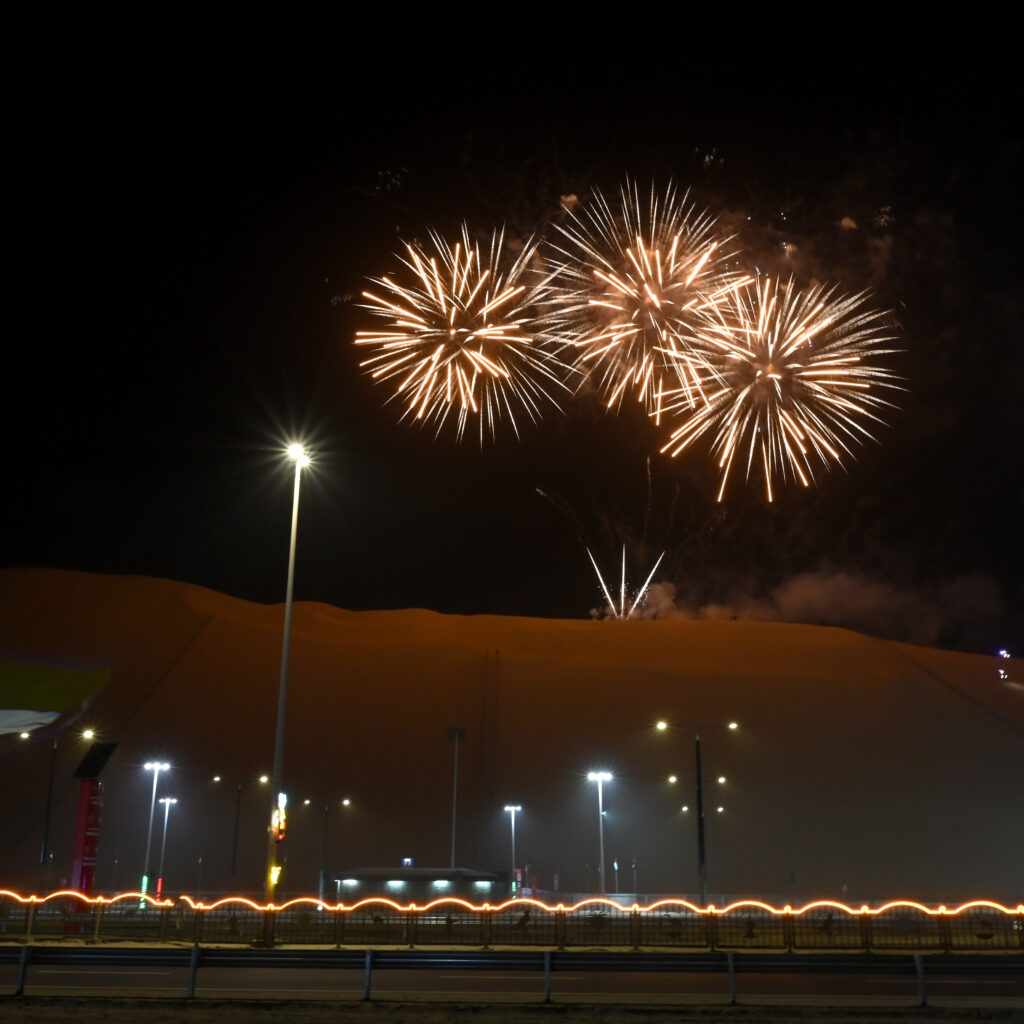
<point>626,607</point>
<point>462,338</point>
<point>790,380</point>
<point>632,278</point>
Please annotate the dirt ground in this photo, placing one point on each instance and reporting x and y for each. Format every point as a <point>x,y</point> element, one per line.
<point>82,1011</point>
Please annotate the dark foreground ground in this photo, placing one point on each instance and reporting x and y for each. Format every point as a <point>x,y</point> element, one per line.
<point>80,1011</point>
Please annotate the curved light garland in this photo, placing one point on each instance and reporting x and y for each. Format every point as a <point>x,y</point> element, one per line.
<point>863,911</point>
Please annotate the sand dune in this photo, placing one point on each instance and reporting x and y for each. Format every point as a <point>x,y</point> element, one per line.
<point>862,768</point>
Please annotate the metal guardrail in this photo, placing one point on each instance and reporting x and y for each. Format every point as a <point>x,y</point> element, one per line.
<point>747,926</point>
<point>547,963</point>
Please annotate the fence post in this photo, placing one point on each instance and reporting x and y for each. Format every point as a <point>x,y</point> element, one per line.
<point>193,966</point>
<point>30,919</point>
<point>560,927</point>
<point>197,925</point>
<point>268,927</point>
<point>711,930</point>
<point>788,930</point>
<point>945,933</point>
<point>922,992</point>
<point>865,931</point>
<point>486,915</point>
<point>98,921</point>
<point>410,927</point>
<point>339,926</point>
<point>634,927</point>
<point>368,972</point>
<point>23,959</point>
<point>165,915</point>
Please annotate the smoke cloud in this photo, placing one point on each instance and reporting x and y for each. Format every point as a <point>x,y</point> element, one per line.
<point>832,597</point>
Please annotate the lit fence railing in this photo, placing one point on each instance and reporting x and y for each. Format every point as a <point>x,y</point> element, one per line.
<point>748,925</point>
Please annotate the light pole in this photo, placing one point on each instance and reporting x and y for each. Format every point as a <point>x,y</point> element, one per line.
<point>600,778</point>
<point>702,866</point>
<point>239,783</point>
<point>323,849</point>
<point>457,734</point>
<point>277,802</point>
<point>166,801</point>
<point>156,767</point>
<point>512,809</point>
<point>87,734</point>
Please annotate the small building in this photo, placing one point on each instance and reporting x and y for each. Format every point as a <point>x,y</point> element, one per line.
<point>417,885</point>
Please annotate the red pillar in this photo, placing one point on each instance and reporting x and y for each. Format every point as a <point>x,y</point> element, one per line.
<point>87,835</point>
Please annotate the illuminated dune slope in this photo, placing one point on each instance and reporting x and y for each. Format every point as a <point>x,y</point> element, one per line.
<point>862,768</point>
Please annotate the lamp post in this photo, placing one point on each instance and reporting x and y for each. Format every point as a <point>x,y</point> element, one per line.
<point>166,801</point>
<point>237,818</point>
<point>301,459</point>
<point>600,778</point>
<point>702,866</point>
<point>87,734</point>
<point>156,767</point>
<point>512,809</point>
<point>323,849</point>
<point>457,734</point>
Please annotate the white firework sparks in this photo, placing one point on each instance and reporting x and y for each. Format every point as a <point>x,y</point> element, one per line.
<point>462,337</point>
<point>791,378</point>
<point>626,606</point>
<point>632,277</point>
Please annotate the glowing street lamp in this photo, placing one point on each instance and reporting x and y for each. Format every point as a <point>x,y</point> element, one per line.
<point>156,767</point>
<point>322,883</point>
<point>513,809</point>
<point>702,866</point>
<point>166,801</point>
<point>600,778</point>
<point>301,458</point>
<point>87,734</point>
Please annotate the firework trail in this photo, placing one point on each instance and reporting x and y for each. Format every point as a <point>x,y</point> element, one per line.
<point>462,337</point>
<point>789,381</point>
<point>632,277</point>
<point>619,611</point>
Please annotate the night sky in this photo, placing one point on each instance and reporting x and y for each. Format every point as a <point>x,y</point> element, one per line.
<point>187,240</point>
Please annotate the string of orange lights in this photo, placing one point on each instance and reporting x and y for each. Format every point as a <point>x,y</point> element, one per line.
<point>450,901</point>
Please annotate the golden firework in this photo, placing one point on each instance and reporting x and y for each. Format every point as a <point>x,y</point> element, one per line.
<point>632,278</point>
<point>462,337</point>
<point>789,380</point>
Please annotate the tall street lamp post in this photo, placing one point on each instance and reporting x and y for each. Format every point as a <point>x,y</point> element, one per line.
<point>156,767</point>
<point>600,778</point>
<point>277,804</point>
<point>166,801</point>
<point>239,784</point>
<point>456,734</point>
<point>702,866</point>
<point>322,885</point>
<point>512,809</point>
<point>44,845</point>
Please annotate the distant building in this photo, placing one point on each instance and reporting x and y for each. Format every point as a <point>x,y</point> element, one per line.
<point>417,885</point>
